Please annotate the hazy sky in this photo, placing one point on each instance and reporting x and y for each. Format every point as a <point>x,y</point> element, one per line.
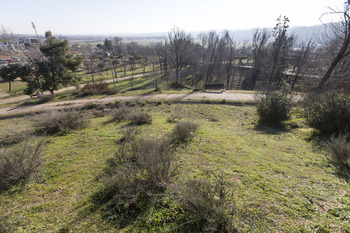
<point>147,16</point>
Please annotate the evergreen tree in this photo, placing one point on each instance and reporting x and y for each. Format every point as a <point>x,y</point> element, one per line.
<point>55,68</point>
<point>10,72</point>
<point>278,57</point>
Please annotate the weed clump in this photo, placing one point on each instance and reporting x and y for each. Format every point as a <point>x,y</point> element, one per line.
<point>19,162</point>
<point>60,121</point>
<point>329,113</point>
<point>273,109</point>
<point>183,131</point>
<point>174,117</point>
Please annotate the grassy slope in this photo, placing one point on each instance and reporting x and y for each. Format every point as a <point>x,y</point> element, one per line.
<point>281,173</point>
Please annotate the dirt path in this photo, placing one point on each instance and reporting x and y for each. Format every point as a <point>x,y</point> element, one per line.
<point>232,96</point>
<point>4,99</point>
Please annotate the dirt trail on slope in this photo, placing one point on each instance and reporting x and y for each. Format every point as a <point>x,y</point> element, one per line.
<point>231,96</point>
<point>4,99</point>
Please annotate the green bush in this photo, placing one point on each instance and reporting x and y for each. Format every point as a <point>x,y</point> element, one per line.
<point>183,131</point>
<point>273,108</point>
<point>57,121</point>
<point>20,162</point>
<point>339,149</point>
<point>329,113</point>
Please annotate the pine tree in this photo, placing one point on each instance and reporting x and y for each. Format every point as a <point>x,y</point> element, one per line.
<point>55,68</point>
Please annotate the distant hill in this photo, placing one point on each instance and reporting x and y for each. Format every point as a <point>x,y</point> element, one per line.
<point>301,33</point>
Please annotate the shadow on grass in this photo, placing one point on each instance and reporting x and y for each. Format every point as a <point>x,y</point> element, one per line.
<point>272,130</point>
<point>343,172</point>
<point>17,187</point>
<point>321,142</point>
<point>318,140</point>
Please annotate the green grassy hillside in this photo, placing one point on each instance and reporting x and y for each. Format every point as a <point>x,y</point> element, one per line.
<point>281,176</point>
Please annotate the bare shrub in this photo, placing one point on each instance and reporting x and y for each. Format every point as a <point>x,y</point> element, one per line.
<point>339,148</point>
<point>20,162</point>
<point>96,88</point>
<point>121,113</point>
<point>46,98</point>
<point>140,118</point>
<point>56,121</point>
<point>183,131</point>
<point>14,136</point>
<point>129,134</point>
<point>209,206</point>
<point>139,172</point>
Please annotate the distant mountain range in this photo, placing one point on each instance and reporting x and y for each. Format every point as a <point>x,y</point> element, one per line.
<point>302,33</point>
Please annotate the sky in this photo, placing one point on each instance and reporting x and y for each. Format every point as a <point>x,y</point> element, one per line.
<point>113,17</point>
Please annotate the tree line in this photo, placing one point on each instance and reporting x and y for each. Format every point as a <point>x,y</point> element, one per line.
<point>272,60</point>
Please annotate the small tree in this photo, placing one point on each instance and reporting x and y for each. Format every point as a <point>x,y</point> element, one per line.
<point>273,108</point>
<point>11,72</point>
<point>91,60</point>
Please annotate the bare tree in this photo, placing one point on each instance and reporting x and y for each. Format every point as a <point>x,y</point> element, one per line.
<point>229,57</point>
<point>300,60</point>
<point>91,60</point>
<point>212,59</point>
<point>6,35</point>
<point>259,49</point>
<point>341,37</point>
<point>179,48</point>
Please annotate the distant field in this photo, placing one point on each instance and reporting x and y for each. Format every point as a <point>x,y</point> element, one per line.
<point>141,41</point>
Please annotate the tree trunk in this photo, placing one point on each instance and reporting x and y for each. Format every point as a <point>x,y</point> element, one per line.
<point>10,86</point>
<point>329,72</point>
<point>340,55</point>
<point>295,79</point>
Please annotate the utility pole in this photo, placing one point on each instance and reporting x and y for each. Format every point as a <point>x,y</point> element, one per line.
<point>37,36</point>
